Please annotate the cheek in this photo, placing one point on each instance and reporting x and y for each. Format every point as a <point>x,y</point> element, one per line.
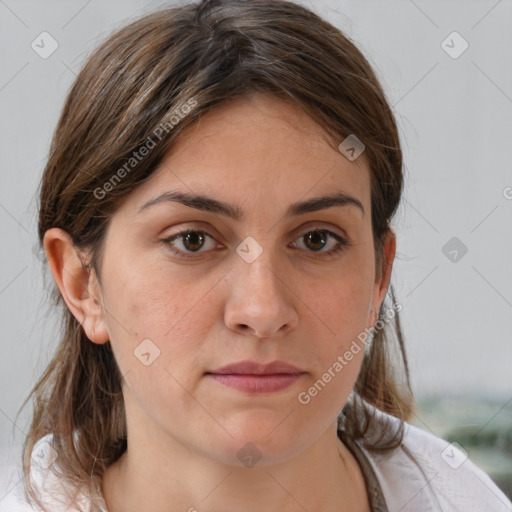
<point>159,328</point>
<point>339,306</point>
<point>337,311</point>
<point>160,307</point>
<point>335,353</point>
<point>163,300</point>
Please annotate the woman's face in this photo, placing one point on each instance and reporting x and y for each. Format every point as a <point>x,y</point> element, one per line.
<point>260,285</point>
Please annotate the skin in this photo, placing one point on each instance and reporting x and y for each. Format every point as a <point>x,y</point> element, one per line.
<point>291,303</point>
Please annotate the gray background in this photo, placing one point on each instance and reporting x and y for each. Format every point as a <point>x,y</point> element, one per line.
<point>455,117</point>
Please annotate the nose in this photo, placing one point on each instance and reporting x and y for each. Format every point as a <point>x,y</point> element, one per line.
<point>261,301</point>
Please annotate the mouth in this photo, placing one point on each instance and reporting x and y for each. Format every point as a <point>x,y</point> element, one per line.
<point>254,377</point>
<point>268,383</point>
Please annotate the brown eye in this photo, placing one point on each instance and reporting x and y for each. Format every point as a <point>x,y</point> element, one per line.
<point>193,240</point>
<point>315,240</point>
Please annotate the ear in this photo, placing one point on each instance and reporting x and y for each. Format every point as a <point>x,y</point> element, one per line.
<point>383,275</point>
<point>78,285</point>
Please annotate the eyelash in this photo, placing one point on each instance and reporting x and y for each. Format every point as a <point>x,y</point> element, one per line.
<point>340,246</point>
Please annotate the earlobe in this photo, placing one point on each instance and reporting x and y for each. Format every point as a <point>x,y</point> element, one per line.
<point>76,283</point>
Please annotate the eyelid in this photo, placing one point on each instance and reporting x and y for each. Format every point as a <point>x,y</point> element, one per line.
<point>321,226</point>
<point>305,228</point>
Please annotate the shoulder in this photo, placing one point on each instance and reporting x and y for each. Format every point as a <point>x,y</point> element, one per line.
<point>53,491</point>
<point>428,473</point>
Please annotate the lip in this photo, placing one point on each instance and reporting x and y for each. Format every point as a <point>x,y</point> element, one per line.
<point>255,368</point>
<point>254,377</point>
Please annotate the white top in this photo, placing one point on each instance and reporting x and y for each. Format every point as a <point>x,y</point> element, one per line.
<point>424,474</point>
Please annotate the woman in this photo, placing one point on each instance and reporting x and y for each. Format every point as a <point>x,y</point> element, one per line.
<point>216,213</point>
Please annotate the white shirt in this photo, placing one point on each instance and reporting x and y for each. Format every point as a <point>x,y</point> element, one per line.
<point>424,474</point>
<point>428,474</point>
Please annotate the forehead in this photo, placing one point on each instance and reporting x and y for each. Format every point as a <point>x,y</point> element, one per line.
<point>257,150</point>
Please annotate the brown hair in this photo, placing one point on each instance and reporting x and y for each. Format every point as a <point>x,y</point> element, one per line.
<point>148,82</point>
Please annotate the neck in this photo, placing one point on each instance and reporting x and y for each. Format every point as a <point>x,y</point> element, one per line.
<point>164,476</point>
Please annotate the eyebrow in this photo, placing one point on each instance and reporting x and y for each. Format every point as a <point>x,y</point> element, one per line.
<point>209,204</point>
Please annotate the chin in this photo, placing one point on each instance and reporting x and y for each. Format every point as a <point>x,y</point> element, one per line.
<point>261,444</point>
